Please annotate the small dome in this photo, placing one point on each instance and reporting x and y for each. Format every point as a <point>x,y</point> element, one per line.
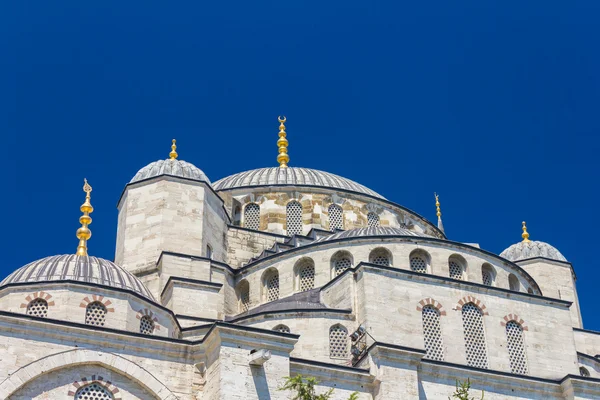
<point>291,176</point>
<point>370,232</point>
<point>78,268</point>
<point>172,167</point>
<point>531,249</point>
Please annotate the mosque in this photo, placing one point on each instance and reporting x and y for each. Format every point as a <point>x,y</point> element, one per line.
<point>221,290</point>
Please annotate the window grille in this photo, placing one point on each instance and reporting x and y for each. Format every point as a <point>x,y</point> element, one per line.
<point>282,329</point>
<point>245,296</point>
<point>294,218</point>
<point>338,342</point>
<point>252,216</point>
<point>95,314</point>
<point>513,283</point>
<point>336,217</point>
<point>432,333</point>
<point>418,264</point>
<point>38,308</point>
<point>93,392</point>
<point>516,348</point>
<point>486,277</point>
<point>474,336</point>
<point>584,372</point>
<point>380,257</point>
<point>456,271</point>
<point>272,285</point>
<point>341,265</point>
<point>306,276</point>
<point>146,325</point>
<point>372,220</point>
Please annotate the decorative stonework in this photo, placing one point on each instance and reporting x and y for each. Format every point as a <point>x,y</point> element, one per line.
<point>38,295</point>
<point>516,318</point>
<point>431,302</point>
<point>98,380</point>
<point>95,298</point>
<point>145,312</point>
<point>471,299</point>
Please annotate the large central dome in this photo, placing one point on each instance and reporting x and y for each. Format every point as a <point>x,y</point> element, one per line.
<point>291,176</point>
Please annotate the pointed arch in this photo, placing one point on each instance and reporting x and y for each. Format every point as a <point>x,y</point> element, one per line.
<point>471,299</point>
<point>431,302</point>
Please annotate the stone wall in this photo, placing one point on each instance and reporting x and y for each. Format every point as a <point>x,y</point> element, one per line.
<point>243,244</point>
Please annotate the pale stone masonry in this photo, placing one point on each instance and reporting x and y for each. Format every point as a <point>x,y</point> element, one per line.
<point>210,297</point>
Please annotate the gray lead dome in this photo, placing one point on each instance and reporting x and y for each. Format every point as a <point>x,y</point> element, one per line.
<point>172,167</point>
<point>532,249</point>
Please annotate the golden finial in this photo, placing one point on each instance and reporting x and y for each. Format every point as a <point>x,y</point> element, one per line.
<point>84,234</point>
<point>173,153</point>
<point>439,212</point>
<point>283,159</point>
<point>525,235</point>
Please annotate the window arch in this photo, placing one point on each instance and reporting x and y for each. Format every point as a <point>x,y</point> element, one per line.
<point>282,328</point>
<point>340,261</point>
<point>95,314</point>
<point>513,283</point>
<point>93,391</point>
<point>336,217</point>
<point>146,325</point>
<point>38,308</point>
<point>419,261</point>
<point>516,348</point>
<point>488,275</point>
<point>381,256</point>
<point>456,267</point>
<point>293,216</point>
<point>244,296</point>
<point>252,216</point>
<point>372,220</point>
<point>584,372</point>
<point>432,333</point>
<point>476,350</point>
<point>305,273</point>
<point>271,284</point>
<point>338,341</point>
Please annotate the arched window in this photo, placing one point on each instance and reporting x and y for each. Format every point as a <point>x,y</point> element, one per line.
<point>146,325</point>
<point>95,314</point>
<point>419,262</point>
<point>584,372</point>
<point>282,328</point>
<point>294,218</point>
<point>516,348</point>
<point>38,308</point>
<point>474,336</point>
<point>306,275</point>
<point>529,290</point>
<point>271,284</point>
<point>252,216</point>
<point>456,268</point>
<point>487,274</point>
<point>244,295</point>
<point>341,261</point>
<point>381,257</point>
<point>336,217</point>
<point>372,220</point>
<point>209,251</point>
<point>93,391</point>
<point>432,333</point>
<point>513,283</point>
<point>338,342</point>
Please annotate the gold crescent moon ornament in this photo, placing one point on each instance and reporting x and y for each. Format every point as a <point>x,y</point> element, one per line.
<point>282,120</point>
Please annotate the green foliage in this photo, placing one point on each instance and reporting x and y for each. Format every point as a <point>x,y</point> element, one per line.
<point>304,389</point>
<point>462,391</point>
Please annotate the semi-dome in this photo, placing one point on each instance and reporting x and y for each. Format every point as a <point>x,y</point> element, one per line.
<point>291,176</point>
<point>78,268</point>
<point>370,232</point>
<point>531,249</point>
<point>173,167</point>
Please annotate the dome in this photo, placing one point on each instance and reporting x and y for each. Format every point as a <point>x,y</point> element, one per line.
<point>172,167</point>
<point>370,232</point>
<point>292,176</point>
<point>531,249</point>
<point>78,268</point>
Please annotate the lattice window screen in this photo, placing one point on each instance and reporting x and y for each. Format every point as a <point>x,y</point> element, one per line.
<point>474,336</point>
<point>418,264</point>
<point>272,284</point>
<point>338,342</point>
<point>584,372</point>
<point>252,216</point>
<point>516,348</point>
<point>245,297</point>
<point>341,265</point>
<point>456,271</point>
<point>95,314</point>
<point>486,277</point>
<point>146,325</point>
<point>306,276</point>
<point>93,392</point>
<point>294,218</point>
<point>38,308</point>
<point>372,220</point>
<point>432,333</point>
<point>513,283</point>
<point>336,217</point>
<point>282,329</point>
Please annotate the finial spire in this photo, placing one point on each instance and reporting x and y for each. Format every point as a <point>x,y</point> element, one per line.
<point>84,234</point>
<point>283,159</point>
<point>525,234</point>
<point>173,153</point>
<point>439,212</point>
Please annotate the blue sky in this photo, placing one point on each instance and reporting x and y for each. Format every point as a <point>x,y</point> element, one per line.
<point>492,105</point>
